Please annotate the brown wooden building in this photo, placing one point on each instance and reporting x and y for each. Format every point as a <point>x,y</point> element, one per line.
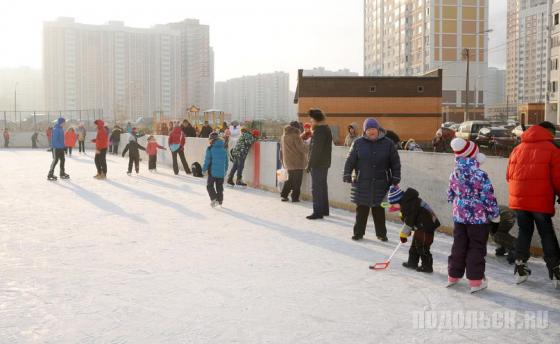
<point>410,106</point>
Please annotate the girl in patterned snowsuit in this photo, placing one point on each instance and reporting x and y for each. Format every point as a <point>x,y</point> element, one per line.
<point>474,207</point>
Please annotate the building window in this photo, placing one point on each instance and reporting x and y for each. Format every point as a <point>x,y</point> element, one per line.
<point>556,18</point>
<point>372,89</point>
<point>420,89</point>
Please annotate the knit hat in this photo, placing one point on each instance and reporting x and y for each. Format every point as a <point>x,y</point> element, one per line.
<point>213,136</point>
<point>370,123</point>
<point>395,194</point>
<point>463,148</point>
<point>307,126</point>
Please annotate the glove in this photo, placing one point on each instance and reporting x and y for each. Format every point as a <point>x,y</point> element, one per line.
<point>405,233</point>
<point>403,239</point>
<point>347,179</point>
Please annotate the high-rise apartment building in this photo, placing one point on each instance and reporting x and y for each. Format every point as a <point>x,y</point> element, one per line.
<point>127,72</point>
<point>527,51</point>
<point>413,37</point>
<point>257,97</point>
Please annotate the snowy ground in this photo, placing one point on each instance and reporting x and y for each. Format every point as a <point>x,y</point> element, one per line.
<point>144,259</point>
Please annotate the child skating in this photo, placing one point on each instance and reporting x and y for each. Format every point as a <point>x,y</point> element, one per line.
<point>151,149</point>
<point>133,149</point>
<point>474,208</point>
<point>216,163</point>
<point>420,218</point>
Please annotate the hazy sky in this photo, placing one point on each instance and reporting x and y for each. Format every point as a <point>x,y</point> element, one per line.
<point>248,36</point>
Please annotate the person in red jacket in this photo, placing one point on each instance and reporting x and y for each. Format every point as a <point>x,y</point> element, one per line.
<point>151,149</point>
<point>176,143</point>
<point>101,143</point>
<point>533,175</point>
<point>70,139</point>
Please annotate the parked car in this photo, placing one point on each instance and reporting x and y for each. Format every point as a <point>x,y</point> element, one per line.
<point>497,139</point>
<point>447,124</point>
<point>469,130</point>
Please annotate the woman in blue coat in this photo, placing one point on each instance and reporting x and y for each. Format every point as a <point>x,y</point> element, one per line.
<point>377,166</point>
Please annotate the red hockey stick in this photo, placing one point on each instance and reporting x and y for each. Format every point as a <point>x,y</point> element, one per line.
<point>385,265</point>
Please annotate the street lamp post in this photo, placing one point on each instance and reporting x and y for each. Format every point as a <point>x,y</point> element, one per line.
<point>15,104</point>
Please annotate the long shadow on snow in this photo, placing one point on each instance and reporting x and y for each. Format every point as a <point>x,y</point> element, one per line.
<point>100,202</point>
<point>168,185</point>
<point>157,199</point>
<point>314,239</point>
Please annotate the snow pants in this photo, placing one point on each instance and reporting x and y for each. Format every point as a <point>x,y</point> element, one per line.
<point>468,251</point>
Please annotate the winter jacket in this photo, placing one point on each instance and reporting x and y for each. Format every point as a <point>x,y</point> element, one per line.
<point>243,146</point>
<point>417,214</point>
<point>235,131</point>
<point>6,135</point>
<point>377,165</point>
<point>471,193</point>
<point>351,138</point>
<point>533,172</point>
<point>49,133</point>
<point>101,139</point>
<point>216,159</point>
<point>152,147</point>
<point>294,151</point>
<point>133,148</point>
<point>82,134</point>
<point>116,135</point>
<point>70,138</point>
<point>177,138</point>
<point>189,131</point>
<point>320,149</point>
<point>206,131</point>
<point>58,134</point>
<point>440,144</point>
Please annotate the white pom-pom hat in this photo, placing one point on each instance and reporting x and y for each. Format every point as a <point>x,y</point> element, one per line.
<point>464,148</point>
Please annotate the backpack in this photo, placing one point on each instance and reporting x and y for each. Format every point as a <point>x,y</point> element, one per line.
<point>196,170</point>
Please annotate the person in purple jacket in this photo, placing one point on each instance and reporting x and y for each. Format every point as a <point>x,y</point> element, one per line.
<point>474,208</point>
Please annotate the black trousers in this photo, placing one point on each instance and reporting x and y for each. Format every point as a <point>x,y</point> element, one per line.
<point>133,160</point>
<point>420,249</point>
<point>68,150</point>
<point>58,155</point>
<point>101,161</point>
<point>152,162</point>
<point>116,147</point>
<point>320,191</point>
<point>362,214</point>
<point>181,154</point>
<point>293,184</point>
<point>215,187</point>
<point>81,146</point>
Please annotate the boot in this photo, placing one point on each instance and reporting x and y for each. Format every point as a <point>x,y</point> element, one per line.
<point>64,176</point>
<point>427,264</point>
<point>451,281</point>
<point>478,285</point>
<point>556,277</point>
<point>230,181</point>
<point>240,183</point>
<point>522,271</point>
<point>500,252</point>
<point>413,258</point>
<point>51,176</point>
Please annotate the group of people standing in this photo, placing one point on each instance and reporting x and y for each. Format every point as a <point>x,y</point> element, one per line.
<point>373,169</point>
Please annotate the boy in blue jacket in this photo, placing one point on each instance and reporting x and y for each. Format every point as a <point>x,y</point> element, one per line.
<point>216,163</point>
<point>58,147</point>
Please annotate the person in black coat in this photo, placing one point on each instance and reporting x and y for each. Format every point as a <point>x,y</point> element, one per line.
<point>206,130</point>
<point>115,139</point>
<point>188,129</point>
<point>319,163</point>
<point>133,149</point>
<point>420,218</point>
<point>376,163</point>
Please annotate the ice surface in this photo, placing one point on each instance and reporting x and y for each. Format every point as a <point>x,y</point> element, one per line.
<point>145,259</point>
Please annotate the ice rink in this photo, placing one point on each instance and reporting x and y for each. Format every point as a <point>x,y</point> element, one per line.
<point>145,259</point>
